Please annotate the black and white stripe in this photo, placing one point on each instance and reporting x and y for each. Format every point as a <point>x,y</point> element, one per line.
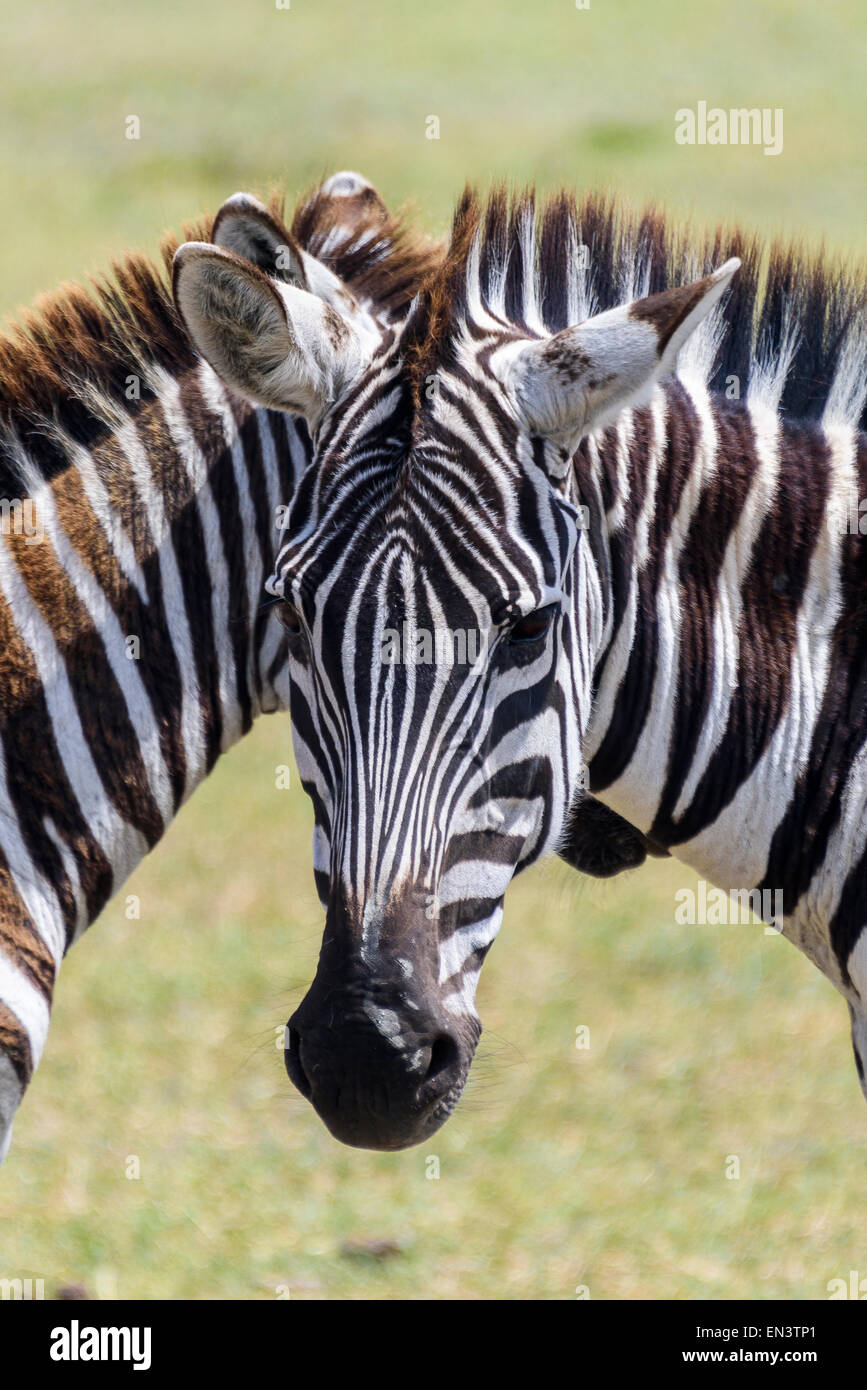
<point>708,659</point>
<point>153,495</point>
<point>655,568</point>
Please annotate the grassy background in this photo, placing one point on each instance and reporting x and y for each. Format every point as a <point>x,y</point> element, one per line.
<point>605,1167</point>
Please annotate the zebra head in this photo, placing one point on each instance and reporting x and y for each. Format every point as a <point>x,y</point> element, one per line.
<point>437,582</point>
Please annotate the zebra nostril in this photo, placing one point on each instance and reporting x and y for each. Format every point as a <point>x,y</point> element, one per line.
<point>444,1056</point>
<point>292,1061</point>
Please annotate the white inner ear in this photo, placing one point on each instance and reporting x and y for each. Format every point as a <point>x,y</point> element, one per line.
<point>579,379</point>
<point>279,346</point>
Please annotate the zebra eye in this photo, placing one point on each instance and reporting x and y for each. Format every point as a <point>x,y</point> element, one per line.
<point>533,626</point>
<point>290,620</point>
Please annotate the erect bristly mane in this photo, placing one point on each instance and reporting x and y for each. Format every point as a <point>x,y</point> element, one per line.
<point>792,329</point>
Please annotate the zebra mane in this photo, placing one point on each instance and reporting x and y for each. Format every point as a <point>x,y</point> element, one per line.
<point>378,255</point>
<point>792,329</point>
<point>66,365</point>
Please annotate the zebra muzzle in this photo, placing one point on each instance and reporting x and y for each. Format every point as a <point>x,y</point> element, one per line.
<point>381,1073</point>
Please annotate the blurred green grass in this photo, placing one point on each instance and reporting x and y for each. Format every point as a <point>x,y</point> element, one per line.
<point>233,95</point>
<point>603,1168</point>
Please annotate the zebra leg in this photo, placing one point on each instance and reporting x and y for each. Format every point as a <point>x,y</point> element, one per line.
<point>11,1092</point>
<point>599,842</point>
<point>24,1019</point>
<point>857,971</point>
<point>859,1044</point>
<point>10,1096</point>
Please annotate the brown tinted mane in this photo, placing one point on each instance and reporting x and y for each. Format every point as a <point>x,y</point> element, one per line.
<point>65,366</point>
<point>378,254</point>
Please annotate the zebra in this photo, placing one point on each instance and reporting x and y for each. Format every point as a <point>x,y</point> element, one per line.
<point>622,455</point>
<point>139,523</point>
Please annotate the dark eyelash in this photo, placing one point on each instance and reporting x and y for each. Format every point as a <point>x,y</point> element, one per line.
<point>532,627</point>
<point>290,620</point>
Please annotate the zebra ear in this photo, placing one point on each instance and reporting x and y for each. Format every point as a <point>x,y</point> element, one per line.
<point>353,202</point>
<point>579,379</point>
<point>246,227</point>
<point>276,344</point>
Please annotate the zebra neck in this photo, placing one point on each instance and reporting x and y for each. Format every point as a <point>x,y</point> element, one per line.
<point>135,645</point>
<point>723,660</point>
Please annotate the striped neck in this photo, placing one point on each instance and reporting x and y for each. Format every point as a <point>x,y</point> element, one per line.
<point>729,583</point>
<point>135,641</point>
